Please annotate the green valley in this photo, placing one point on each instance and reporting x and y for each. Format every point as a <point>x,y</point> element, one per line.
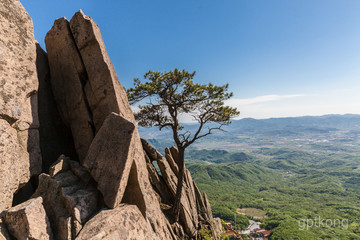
<point>303,172</point>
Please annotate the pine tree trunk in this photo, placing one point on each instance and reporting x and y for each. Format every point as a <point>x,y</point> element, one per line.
<point>176,207</point>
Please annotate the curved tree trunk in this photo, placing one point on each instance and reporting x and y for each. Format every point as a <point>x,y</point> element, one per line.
<point>176,206</point>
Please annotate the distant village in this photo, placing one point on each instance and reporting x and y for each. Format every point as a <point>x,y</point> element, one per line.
<point>253,231</point>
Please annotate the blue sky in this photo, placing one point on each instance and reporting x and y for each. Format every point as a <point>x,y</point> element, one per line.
<point>280,57</point>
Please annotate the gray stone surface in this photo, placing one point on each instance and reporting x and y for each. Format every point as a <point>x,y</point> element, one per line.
<point>207,206</point>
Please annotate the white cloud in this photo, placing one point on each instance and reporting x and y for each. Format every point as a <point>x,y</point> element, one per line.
<point>260,99</point>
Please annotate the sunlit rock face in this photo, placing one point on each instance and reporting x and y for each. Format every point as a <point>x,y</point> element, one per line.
<point>19,147</point>
<point>94,177</point>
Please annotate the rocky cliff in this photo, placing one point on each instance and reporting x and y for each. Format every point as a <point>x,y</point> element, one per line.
<point>72,164</point>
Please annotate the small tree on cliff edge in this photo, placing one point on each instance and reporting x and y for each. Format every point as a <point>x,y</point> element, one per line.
<point>173,94</point>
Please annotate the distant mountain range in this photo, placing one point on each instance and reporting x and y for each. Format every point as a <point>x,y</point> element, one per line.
<point>247,133</point>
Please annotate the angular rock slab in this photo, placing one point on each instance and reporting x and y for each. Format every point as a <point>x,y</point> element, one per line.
<point>18,78</point>
<point>152,153</point>
<point>14,164</point>
<point>207,206</point>
<point>124,222</point>
<point>117,163</point>
<point>171,161</point>
<point>203,208</point>
<point>68,77</point>
<point>103,89</point>
<point>110,158</point>
<point>29,221</point>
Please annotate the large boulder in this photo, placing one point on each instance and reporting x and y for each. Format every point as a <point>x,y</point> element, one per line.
<point>110,158</point>
<point>21,156</point>
<point>68,78</point>
<point>124,222</point>
<point>29,221</point>
<point>103,89</point>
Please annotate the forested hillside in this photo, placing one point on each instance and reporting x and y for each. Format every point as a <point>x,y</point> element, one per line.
<point>295,169</point>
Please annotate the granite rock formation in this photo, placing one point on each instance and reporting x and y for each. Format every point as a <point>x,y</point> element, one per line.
<point>84,173</point>
<point>19,148</point>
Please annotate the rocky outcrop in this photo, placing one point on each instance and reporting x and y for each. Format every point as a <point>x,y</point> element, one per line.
<point>19,135</point>
<point>124,222</point>
<point>29,221</point>
<point>68,77</point>
<point>109,187</point>
<point>188,209</point>
<point>195,209</point>
<point>106,95</point>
